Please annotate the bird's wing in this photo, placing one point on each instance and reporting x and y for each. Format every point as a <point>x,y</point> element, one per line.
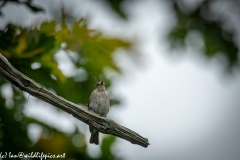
<point>89,102</point>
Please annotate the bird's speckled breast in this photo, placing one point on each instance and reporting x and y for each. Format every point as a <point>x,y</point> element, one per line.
<point>100,102</point>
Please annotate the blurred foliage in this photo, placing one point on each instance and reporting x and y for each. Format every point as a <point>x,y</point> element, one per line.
<point>89,51</point>
<point>27,3</point>
<point>117,7</point>
<point>106,146</point>
<point>203,20</point>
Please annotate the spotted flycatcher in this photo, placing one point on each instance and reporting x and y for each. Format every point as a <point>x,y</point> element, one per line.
<point>99,102</point>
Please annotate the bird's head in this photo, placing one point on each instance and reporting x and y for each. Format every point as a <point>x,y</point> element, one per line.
<point>100,85</point>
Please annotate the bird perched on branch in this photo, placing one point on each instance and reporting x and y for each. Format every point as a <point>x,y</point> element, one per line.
<point>99,102</point>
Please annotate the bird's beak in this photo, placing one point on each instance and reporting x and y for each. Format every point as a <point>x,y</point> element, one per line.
<point>102,83</point>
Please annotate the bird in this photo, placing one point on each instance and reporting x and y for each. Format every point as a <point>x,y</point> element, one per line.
<point>99,103</point>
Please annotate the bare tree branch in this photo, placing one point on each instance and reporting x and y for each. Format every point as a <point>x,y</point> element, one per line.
<point>104,125</point>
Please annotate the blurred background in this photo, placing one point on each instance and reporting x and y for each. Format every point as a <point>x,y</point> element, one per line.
<point>171,68</point>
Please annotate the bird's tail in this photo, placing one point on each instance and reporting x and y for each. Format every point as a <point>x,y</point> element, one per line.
<point>94,138</point>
